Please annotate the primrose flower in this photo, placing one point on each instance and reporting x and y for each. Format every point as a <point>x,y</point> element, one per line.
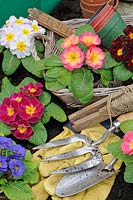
<point>7,36</point>
<point>72,57</point>
<point>95,57</point>
<point>127,145</point>
<point>32,90</point>
<point>10,21</point>
<point>18,151</point>
<point>20,47</point>
<point>31,109</point>
<point>5,143</point>
<point>90,39</point>
<point>8,110</point>
<point>3,164</point>
<point>17,167</point>
<point>129,31</point>
<point>26,30</point>
<point>17,97</point>
<point>21,129</point>
<point>69,41</point>
<point>36,28</point>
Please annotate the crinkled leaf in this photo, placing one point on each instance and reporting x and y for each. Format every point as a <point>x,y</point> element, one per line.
<point>54,85</point>
<point>53,110</point>
<point>84,28</point>
<point>10,63</point>
<point>6,89</point>
<point>39,46</point>
<point>4,129</point>
<point>45,98</point>
<point>46,117</point>
<point>121,73</point>
<point>33,66</point>
<point>109,61</point>
<point>104,81</point>
<point>28,156</point>
<point>88,97</point>
<point>128,174</point>
<point>59,42</point>
<point>53,61</point>
<point>115,149</point>
<point>3,181</point>
<point>31,174</point>
<point>40,134</point>
<point>26,81</point>
<point>1,48</point>
<point>17,190</point>
<point>127,126</point>
<point>82,83</point>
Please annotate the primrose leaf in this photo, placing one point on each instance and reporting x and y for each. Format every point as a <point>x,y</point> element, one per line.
<point>45,98</point>
<point>10,63</point>
<point>127,126</point>
<point>121,73</point>
<point>39,46</point>
<point>40,134</point>
<point>109,61</point>
<point>128,174</point>
<point>4,129</point>
<point>26,81</point>
<point>84,28</point>
<point>53,61</point>
<point>17,190</point>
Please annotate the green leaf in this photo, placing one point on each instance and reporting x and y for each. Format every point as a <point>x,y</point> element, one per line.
<point>1,48</point>
<point>53,110</point>
<point>31,174</point>
<point>40,134</point>
<point>3,181</point>
<point>59,42</point>
<point>126,126</point>
<point>4,129</point>
<point>128,174</point>
<point>26,81</point>
<point>121,73</point>
<point>6,89</point>
<point>28,156</point>
<point>10,63</point>
<point>39,46</point>
<point>33,66</point>
<point>115,149</point>
<point>45,98</point>
<point>84,28</point>
<point>54,85</point>
<point>82,84</point>
<point>46,117</point>
<point>17,190</point>
<point>109,61</point>
<point>105,73</point>
<point>53,61</point>
<point>104,81</point>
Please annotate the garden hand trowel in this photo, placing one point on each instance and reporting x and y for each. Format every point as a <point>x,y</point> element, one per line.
<point>74,183</point>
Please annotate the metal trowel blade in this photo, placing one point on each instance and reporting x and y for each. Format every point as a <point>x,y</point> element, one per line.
<point>74,183</point>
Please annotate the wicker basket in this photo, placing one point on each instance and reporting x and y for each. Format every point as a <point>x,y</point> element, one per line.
<point>64,94</point>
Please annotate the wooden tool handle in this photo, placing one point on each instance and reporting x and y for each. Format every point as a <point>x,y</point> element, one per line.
<point>126,116</point>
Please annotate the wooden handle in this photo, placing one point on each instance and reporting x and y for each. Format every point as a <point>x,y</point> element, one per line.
<point>127,116</point>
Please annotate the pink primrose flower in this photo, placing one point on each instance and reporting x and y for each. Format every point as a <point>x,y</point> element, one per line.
<point>17,97</point>
<point>127,145</point>
<point>69,41</point>
<point>31,109</point>
<point>90,39</point>
<point>21,129</point>
<point>8,110</point>
<point>32,90</point>
<point>95,57</point>
<point>72,58</point>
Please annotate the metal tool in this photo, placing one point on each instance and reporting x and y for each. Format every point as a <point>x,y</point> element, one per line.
<point>90,147</point>
<point>76,182</point>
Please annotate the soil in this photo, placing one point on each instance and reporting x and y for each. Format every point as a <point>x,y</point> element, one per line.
<point>70,9</point>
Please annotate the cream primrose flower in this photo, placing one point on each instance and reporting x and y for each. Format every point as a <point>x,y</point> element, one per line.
<point>21,20</point>
<point>10,21</point>
<point>21,46</point>
<point>25,29</point>
<point>7,35</point>
<point>36,28</point>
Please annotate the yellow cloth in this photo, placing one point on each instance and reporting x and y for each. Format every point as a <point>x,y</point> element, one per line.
<point>48,183</point>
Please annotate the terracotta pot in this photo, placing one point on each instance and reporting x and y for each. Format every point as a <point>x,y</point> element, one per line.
<point>86,13</point>
<point>91,7</point>
<point>96,1</point>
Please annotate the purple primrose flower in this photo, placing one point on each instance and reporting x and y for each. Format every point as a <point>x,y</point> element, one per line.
<point>3,164</point>
<point>5,143</point>
<point>17,167</point>
<point>18,151</point>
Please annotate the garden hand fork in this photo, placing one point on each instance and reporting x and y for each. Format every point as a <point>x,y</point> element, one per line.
<point>90,147</point>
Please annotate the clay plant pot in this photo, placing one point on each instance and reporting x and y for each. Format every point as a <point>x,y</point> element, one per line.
<point>86,13</point>
<point>96,1</point>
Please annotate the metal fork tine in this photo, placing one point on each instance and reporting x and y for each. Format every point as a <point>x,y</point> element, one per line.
<point>71,154</point>
<point>89,163</point>
<point>61,142</point>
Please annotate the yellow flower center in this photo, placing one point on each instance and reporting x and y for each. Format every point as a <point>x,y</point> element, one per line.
<point>73,58</point>
<point>32,90</point>
<point>16,167</point>
<point>9,37</point>
<point>19,21</point>
<point>1,164</point>
<point>22,129</point>
<point>132,60</point>
<point>30,110</point>
<point>25,31</point>
<point>18,99</point>
<point>131,144</point>
<point>35,27</point>
<point>10,111</point>
<point>94,57</point>
<point>131,35</point>
<point>21,46</point>
<point>119,52</point>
